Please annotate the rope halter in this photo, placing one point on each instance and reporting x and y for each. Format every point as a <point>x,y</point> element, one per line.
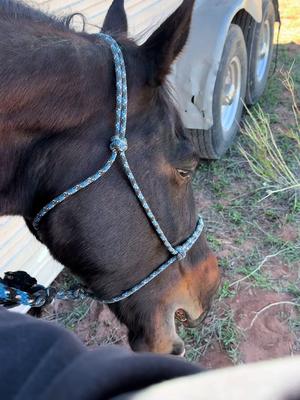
<point>118,146</point>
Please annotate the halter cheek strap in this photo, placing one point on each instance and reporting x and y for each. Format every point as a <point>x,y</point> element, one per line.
<point>118,146</point>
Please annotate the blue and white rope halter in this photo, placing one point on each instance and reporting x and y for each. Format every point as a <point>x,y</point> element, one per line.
<point>118,145</point>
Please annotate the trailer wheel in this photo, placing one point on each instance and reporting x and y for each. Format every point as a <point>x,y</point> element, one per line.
<point>228,97</point>
<point>261,49</point>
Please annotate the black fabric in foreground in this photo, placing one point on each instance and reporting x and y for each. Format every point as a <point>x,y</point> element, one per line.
<point>40,360</point>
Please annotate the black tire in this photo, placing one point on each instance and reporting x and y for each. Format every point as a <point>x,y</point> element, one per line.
<point>213,143</point>
<point>256,84</point>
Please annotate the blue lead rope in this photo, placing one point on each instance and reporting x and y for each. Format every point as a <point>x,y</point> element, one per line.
<point>23,297</point>
<point>119,146</point>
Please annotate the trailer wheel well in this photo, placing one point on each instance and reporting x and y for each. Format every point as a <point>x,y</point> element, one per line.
<point>245,21</point>
<point>251,31</point>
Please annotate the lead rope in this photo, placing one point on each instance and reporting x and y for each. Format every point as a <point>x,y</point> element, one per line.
<point>119,146</point>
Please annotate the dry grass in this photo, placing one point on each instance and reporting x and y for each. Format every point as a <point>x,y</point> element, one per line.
<point>290,15</point>
<point>267,159</point>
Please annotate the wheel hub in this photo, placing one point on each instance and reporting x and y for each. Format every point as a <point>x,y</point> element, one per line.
<point>263,50</point>
<point>231,94</point>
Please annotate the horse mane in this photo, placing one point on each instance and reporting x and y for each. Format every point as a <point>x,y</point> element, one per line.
<point>48,71</point>
<point>17,10</point>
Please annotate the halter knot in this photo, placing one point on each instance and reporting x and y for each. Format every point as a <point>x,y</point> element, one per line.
<point>118,144</point>
<point>181,252</point>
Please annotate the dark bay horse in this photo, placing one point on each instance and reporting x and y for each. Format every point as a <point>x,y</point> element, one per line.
<point>57,114</point>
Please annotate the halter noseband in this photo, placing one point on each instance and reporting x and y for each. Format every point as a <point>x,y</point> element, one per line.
<point>118,146</point>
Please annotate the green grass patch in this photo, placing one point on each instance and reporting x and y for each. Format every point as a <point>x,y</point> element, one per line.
<point>214,242</point>
<point>229,335</point>
<point>219,327</point>
<point>72,318</point>
<point>294,289</point>
<point>226,291</point>
<point>258,279</point>
<point>235,217</point>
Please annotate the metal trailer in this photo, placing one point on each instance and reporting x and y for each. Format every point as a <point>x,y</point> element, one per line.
<point>225,64</point>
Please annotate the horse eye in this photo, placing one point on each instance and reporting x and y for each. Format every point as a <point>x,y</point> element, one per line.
<point>184,173</point>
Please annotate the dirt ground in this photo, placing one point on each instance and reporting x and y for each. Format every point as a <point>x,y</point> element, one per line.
<point>256,315</point>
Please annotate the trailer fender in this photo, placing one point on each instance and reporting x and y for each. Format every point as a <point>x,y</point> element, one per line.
<point>194,73</point>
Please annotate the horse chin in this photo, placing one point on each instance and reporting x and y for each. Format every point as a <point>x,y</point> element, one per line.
<point>175,346</point>
<point>158,335</point>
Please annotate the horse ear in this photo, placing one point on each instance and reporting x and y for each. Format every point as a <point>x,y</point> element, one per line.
<point>164,45</point>
<point>116,20</point>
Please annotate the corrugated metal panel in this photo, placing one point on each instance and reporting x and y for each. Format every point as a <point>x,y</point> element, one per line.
<point>19,250</point>
<point>143,15</point>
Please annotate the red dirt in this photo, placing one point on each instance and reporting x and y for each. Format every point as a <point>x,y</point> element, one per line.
<point>289,233</point>
<point>215,358</point>
<point>202,201</point>
<point>268,336</point>
<point>99,325</point>
<point>280,270</point>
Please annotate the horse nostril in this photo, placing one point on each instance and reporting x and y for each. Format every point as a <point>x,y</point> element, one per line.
<point>181,316</point>
<point>178,349</point>
<point>184,318</point>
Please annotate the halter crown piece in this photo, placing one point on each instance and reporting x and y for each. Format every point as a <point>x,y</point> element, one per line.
<point>118,146</point>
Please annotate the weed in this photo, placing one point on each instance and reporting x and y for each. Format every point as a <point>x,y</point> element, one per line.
<point>226,291</point>
<point>235,217</point>
<point>294,289</point>
<point>292,254</point>
<point>273,240</point>
<point>296,206</point>
<point>218,207</point>
<point>215,243</point>
<point>258,279</point>
<point>78,313</point>
<point>198,340</point>
<point>238,240</point>
<point>224,263</point>
<point>271,215</point>
<point>294,325</point>
<point>220,326</point>
<point>229,335</point>
<point>218,187</point>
